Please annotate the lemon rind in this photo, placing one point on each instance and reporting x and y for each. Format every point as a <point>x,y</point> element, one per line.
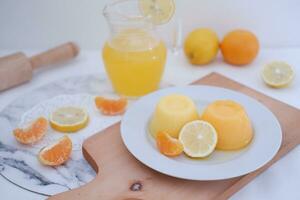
<point>69,128</point>
<point>281,84</point>
<point>199,155</point>
<point>164,21</point>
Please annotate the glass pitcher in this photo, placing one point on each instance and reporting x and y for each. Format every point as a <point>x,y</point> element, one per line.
<point>134,57</point>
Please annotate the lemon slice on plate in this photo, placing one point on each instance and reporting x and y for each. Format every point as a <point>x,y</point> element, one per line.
<point>69,119</point>
<point>277,74</point>
<point>159,11</point>
<point>199,138</point>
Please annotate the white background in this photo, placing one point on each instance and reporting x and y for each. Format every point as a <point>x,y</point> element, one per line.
<point>40,24</point>
<point>34,25</point>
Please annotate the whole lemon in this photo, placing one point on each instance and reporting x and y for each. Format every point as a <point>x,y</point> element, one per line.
<point>239,47</point>
<point>201,46</point>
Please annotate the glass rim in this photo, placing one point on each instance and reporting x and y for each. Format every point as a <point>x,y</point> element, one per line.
<point>108,11</point>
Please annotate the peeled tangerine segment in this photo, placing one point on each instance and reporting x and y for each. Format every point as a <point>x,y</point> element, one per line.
<point>56,153</point>
<point>167,145</point>
<point>231,122</point>
<point>33,133</point>
<point>171,113</point>
<point>111,106</point>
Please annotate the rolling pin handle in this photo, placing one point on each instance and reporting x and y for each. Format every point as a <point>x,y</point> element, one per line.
<point>55,55</point>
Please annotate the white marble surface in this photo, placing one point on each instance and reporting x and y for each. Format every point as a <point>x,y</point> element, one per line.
<point>281,181</point>
<point>19,163</point>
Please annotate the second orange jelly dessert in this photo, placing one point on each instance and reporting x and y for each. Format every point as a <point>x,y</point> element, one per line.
<point>231,122</point>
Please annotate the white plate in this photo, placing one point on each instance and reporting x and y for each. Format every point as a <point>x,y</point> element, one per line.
<point>221,164</point>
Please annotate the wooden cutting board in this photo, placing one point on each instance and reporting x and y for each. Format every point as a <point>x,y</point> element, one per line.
<point>121,176</point>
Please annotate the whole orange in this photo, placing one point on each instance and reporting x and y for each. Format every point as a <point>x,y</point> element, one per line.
<point>239,47</point>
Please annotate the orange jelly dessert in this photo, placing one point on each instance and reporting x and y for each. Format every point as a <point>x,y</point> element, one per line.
<point>171,113</point>
<point>231,122</point>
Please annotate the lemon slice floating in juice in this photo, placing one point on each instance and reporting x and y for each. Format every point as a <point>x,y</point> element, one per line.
<point>199,138</point>
<point>159,11</point>
<point>69,119</point>
<point>277,74</point>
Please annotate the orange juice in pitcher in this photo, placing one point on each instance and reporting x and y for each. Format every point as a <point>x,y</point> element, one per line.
<point>134,57</point>
<point>134,61</point>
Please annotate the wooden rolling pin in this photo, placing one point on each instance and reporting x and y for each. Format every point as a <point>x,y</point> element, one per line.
<point>17,68</point>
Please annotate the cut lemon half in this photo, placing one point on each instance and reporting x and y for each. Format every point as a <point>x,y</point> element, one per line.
<point>159,11</point>
<point>277,74</point>
<point>57,153</point>
<point>69,119</point>
<point>199,138</point>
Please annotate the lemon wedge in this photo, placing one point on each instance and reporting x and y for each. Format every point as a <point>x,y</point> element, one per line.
<point>69,119</point>
<point>199,138</point>
<point>277,74</point>
<point>159,11</point>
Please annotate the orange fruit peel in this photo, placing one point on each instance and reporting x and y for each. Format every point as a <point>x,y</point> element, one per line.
<point>111,106</point>
<point>239,47</point>
<point>57,153</point>
<point>33,133</point>
<point>168,145</point>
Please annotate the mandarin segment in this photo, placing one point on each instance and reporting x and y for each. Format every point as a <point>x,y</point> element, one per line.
<point>56,153</point>
<point>111,106</point>
<point>33,133</point>
<point>168,145</point>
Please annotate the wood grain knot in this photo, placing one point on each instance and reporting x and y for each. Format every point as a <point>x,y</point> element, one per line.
<point>136,186</point>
